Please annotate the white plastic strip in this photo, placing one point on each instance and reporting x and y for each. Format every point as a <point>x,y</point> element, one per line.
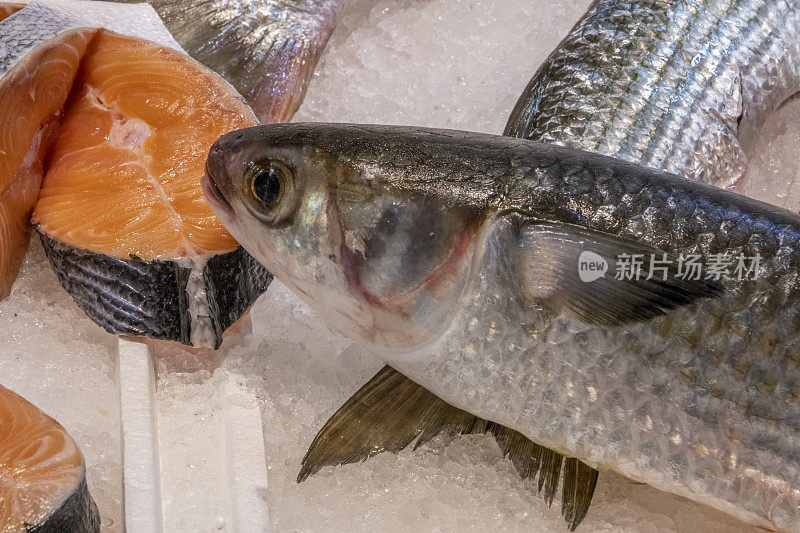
<point>142,477</point>
<point>245,460</point>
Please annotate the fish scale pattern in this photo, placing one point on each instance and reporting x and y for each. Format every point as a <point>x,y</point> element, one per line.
<point>78,513</point>
<point>17,43</point>
<point>151,298</point>
<point>266,50</point>
<point>131,297</point>
<point>679,86</point>
<point>702,402</point>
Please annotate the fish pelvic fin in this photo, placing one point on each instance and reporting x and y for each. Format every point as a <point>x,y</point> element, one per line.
<point>390,412</point>
<point>268,54</point>
<point>604,279</point>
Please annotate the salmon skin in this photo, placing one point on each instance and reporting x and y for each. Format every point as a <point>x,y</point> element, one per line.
<point>685,382</point>
<point>151,298</point>
<point>681,86</point>
<point>121,214</point>
<point>267,49</point>
<point>42,473</point>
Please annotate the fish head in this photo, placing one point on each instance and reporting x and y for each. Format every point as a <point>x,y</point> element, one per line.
<point>335,212</point>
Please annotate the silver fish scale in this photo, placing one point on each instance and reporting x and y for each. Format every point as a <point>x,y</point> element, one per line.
<point>703,402</point>
<point>679,86</point>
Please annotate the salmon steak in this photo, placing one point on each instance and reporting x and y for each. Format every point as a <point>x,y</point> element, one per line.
<point>114,123</point>
<point>42,473</point>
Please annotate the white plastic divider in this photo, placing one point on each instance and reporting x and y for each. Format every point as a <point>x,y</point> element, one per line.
<point>245,457</point>
<point>141,471</point>
<point>242,436</point>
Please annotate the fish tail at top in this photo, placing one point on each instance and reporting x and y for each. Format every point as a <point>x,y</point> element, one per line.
<point>266,49</point>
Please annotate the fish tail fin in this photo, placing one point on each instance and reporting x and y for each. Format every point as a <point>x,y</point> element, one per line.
<point>391,412</point>
<point>268,54</point>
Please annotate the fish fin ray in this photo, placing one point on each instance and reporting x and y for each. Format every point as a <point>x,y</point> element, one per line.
<point>361,429</point>
<point>549,258</point>
<point>580,481</point>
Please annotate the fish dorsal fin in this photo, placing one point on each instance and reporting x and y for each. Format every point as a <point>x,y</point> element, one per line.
<point>391,412</point>
<point>602,278</point>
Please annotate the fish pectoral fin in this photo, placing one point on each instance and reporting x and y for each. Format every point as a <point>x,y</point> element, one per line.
<point>390,412</point>
<point>605,279</point>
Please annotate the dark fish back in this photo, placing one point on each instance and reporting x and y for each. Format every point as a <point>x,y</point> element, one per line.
<point>679,86</point>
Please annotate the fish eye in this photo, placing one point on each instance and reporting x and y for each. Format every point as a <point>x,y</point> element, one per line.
<point>269,184</point>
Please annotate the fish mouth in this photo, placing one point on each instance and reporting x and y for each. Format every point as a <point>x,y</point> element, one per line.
<point>214,196</point>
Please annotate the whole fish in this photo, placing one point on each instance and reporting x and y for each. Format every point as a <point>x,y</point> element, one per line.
<point>682,86</point>
<point>266,49</point>
<point>497,273</point>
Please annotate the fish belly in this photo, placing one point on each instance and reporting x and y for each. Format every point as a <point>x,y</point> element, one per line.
<point>701,402</point>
